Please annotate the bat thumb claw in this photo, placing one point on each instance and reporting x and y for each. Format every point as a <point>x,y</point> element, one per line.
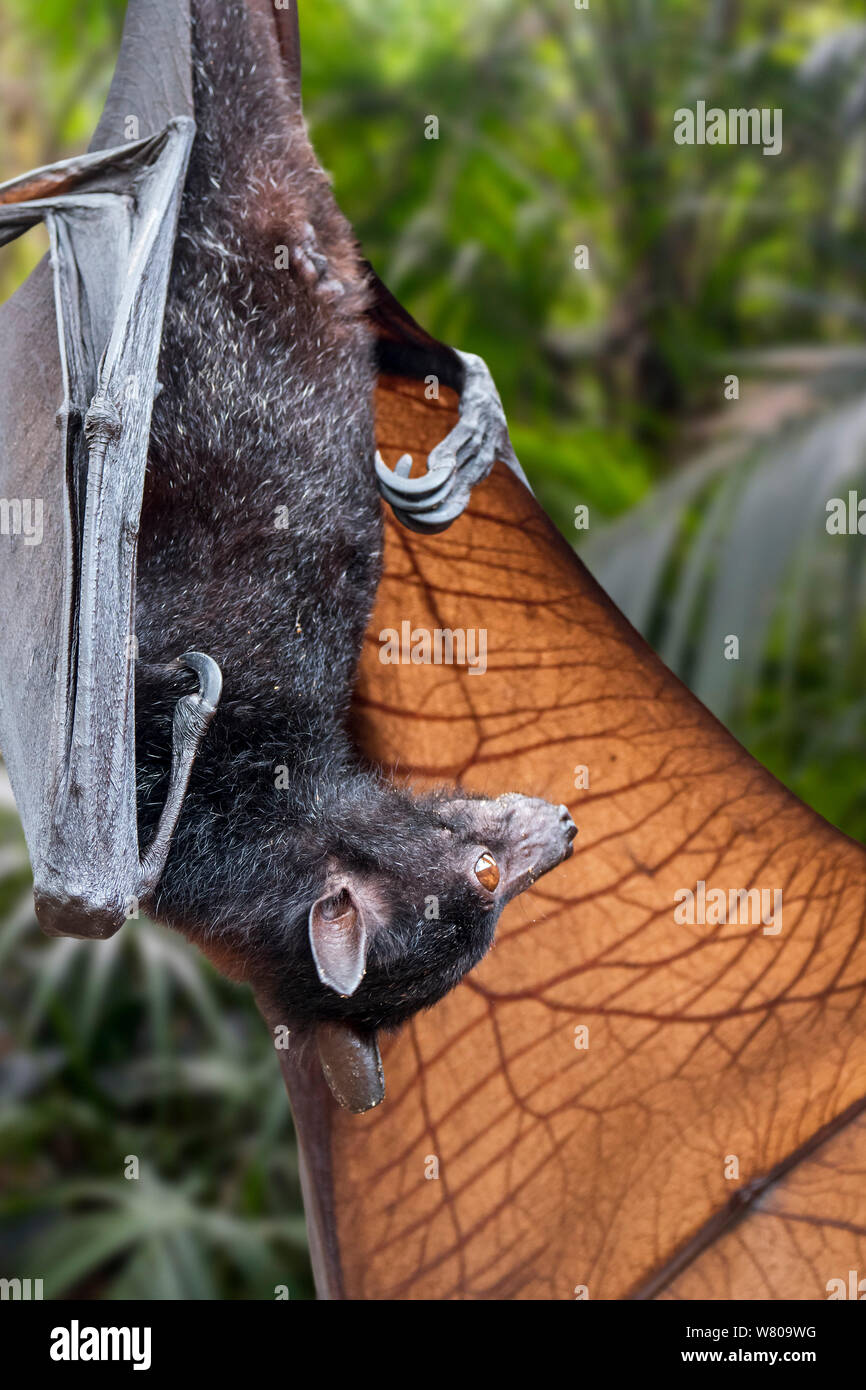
<point>210,679</point>
<point>352,1066</point>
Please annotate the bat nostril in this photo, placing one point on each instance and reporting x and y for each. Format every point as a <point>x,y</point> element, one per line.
<point>567,823</point>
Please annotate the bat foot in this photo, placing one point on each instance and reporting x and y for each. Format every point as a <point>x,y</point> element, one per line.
<point>465,456</point>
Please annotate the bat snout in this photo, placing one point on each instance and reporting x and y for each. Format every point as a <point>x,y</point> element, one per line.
<point>542,837</point>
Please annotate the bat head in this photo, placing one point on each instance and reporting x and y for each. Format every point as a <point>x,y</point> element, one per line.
<point>361,912</point>
<point>393,932</point>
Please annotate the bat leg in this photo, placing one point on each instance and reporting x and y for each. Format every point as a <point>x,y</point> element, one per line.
<point>352,1066</point>
<point>82,915</point>
<point>463,458</point>
<point>192,715</point>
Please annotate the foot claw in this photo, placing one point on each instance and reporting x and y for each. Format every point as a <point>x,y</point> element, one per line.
<point>465,456</point>
<point>405,490</point>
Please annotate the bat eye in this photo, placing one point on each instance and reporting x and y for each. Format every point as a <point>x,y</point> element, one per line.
<point>487,871</point>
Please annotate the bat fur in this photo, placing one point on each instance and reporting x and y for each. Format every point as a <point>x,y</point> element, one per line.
<point>266,414</point>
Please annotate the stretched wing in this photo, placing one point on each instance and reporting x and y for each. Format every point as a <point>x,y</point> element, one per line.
<point>615,1100</point>
<point>617,1103</point>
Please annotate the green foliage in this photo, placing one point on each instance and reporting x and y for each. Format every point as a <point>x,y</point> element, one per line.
<point>738,544</point>
<point>131,1047</point>
<point>556,129</point>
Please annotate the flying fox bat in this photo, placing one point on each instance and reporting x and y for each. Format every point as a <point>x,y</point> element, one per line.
<point>619,1102</point>
<point>178,670</point>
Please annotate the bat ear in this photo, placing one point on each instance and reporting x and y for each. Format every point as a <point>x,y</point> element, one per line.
<point>338,939</point>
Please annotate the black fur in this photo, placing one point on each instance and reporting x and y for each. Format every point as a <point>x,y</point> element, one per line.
<point>267,379</point>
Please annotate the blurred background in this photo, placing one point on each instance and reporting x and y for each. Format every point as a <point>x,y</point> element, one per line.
<point>706,502</point>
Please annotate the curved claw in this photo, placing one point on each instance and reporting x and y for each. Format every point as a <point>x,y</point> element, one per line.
<point>430,523</point>
<point>192,715</point>
<point>403,466</point>
<point>210,677</point>
<point>408,489</point>
<point>420,506</point>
